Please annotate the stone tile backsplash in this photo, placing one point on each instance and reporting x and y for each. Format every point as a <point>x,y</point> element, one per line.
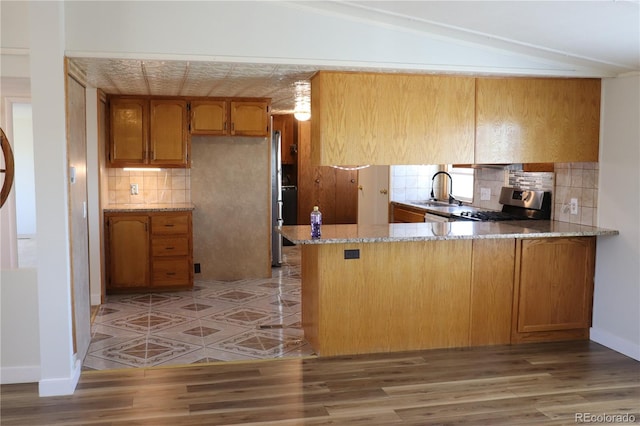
<point>164,186</point>
<point>580,181</point>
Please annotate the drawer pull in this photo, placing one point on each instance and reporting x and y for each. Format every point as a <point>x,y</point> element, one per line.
<point>171,273</point>
<point>169,225</point>
<point>169,248</point>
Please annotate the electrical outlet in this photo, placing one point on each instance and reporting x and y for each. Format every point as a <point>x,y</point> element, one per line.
<point>485,194</point>
<point>574,206</point>
<point>134,189</point>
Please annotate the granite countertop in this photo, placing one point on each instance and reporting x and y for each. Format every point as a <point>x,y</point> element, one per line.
<point>468,230</point>
<point>157,207</point>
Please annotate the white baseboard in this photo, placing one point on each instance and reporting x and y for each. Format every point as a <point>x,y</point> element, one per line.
<point>61,386</point>
<point>625,347</point>
<point>96,299</point>
<point>11,375</point>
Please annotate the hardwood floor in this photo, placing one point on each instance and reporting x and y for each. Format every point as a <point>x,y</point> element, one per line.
<point>548,383</point>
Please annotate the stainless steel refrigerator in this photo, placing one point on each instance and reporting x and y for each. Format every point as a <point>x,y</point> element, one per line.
<point>276,198</point>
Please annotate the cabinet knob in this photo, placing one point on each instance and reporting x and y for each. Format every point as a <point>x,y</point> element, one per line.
<point>353,181</point>
<point>317,180</point>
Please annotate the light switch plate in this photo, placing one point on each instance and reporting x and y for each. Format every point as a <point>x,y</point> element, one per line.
<point>485,194</point>
<point>574,206</point>
<point>134,189</point>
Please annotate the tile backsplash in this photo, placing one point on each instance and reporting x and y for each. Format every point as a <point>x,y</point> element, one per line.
<point>164,186</point>
<point>411,182</point>
<point>580,181</point>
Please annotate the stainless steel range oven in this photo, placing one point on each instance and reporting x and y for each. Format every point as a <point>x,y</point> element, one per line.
<point>517,204</point>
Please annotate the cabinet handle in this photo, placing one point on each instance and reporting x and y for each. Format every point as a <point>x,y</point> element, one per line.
<point>169,248</point>
<point>171,273</point>
<point>383,191</point>
<point>169,225</point>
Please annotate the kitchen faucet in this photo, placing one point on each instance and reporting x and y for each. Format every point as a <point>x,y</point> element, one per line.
<point>451,197</point>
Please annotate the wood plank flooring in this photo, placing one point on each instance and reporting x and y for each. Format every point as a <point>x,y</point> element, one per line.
<point>525,384</point>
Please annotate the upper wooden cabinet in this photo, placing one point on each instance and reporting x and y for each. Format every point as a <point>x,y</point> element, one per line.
<point>230,117</point>
<point>537,120</point>
<point>249,118</point>
<point>168,133</point>
<point>209,118</point>
<point>129,126</point>
<point>367,118</point>
<point>145,132</point>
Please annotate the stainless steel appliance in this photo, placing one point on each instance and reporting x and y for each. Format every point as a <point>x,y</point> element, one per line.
<point>517,204</point>
<point>276,198</point>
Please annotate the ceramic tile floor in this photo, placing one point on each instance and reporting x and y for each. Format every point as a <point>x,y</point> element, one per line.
<point>216,321</point>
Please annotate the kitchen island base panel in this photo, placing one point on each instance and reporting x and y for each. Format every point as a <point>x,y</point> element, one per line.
<point>492,292</point>
<point>395,297</point>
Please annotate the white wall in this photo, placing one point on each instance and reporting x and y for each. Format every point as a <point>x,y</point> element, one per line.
<point>20,347</point>
<point>59,369</point>
<point>616,310</point>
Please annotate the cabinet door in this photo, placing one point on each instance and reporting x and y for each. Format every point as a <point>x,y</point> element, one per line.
<point>249,118</point>
<point>128,251</point>
<point>537,120</point>
<point>168,133</point>
<point>128,132</point>
<point>382,119</point>
<point>555,284</point>
<point>209,118</point>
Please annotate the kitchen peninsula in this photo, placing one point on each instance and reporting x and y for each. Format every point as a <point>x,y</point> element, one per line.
<point>408,286</point>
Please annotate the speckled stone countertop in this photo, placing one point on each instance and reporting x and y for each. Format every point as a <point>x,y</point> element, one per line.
<point>339,234</point>
<point>159,207</point>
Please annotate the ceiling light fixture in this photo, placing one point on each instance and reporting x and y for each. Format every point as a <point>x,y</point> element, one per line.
<point>302,109</point>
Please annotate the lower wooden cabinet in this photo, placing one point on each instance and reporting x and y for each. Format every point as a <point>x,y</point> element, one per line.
<point>149,251</point>
<point>553,289</point>
<point>405,214</point>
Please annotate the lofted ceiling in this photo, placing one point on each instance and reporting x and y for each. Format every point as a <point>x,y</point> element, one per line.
<point>601,36</point>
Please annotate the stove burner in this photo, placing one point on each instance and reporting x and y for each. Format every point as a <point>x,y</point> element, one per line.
<point>488,215</point>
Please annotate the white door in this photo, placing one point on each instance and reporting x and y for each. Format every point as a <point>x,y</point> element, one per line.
<point>373,195</point>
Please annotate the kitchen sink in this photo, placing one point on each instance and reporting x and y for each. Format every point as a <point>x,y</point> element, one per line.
<point>435,203</point>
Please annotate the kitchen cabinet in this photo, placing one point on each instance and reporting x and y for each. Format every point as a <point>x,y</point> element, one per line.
<point>146,132</point>
<point>285,124</point>
<point>249,118</point>
<point>537,120</point>
<point>405,214</point>
<point>209,117</point>
<point>168,136</point>
<point>127,251</point>
<point>149,251</point>
<point>230,117</point>
<point>553,290</point>
<point>334,191</point>
<point>129,127</point>
<point>369,118</point>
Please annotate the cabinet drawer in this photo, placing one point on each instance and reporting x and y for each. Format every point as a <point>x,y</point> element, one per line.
<point>161,225</point>
<point>176,246</point>
<point>168,272</point>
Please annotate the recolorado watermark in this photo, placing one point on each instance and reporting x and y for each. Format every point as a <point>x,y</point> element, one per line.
<point>604,418</point>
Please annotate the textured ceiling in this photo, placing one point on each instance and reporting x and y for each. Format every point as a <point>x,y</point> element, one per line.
<point>188,78</point>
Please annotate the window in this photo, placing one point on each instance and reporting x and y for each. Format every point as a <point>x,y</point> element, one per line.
<point>462,182</point>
